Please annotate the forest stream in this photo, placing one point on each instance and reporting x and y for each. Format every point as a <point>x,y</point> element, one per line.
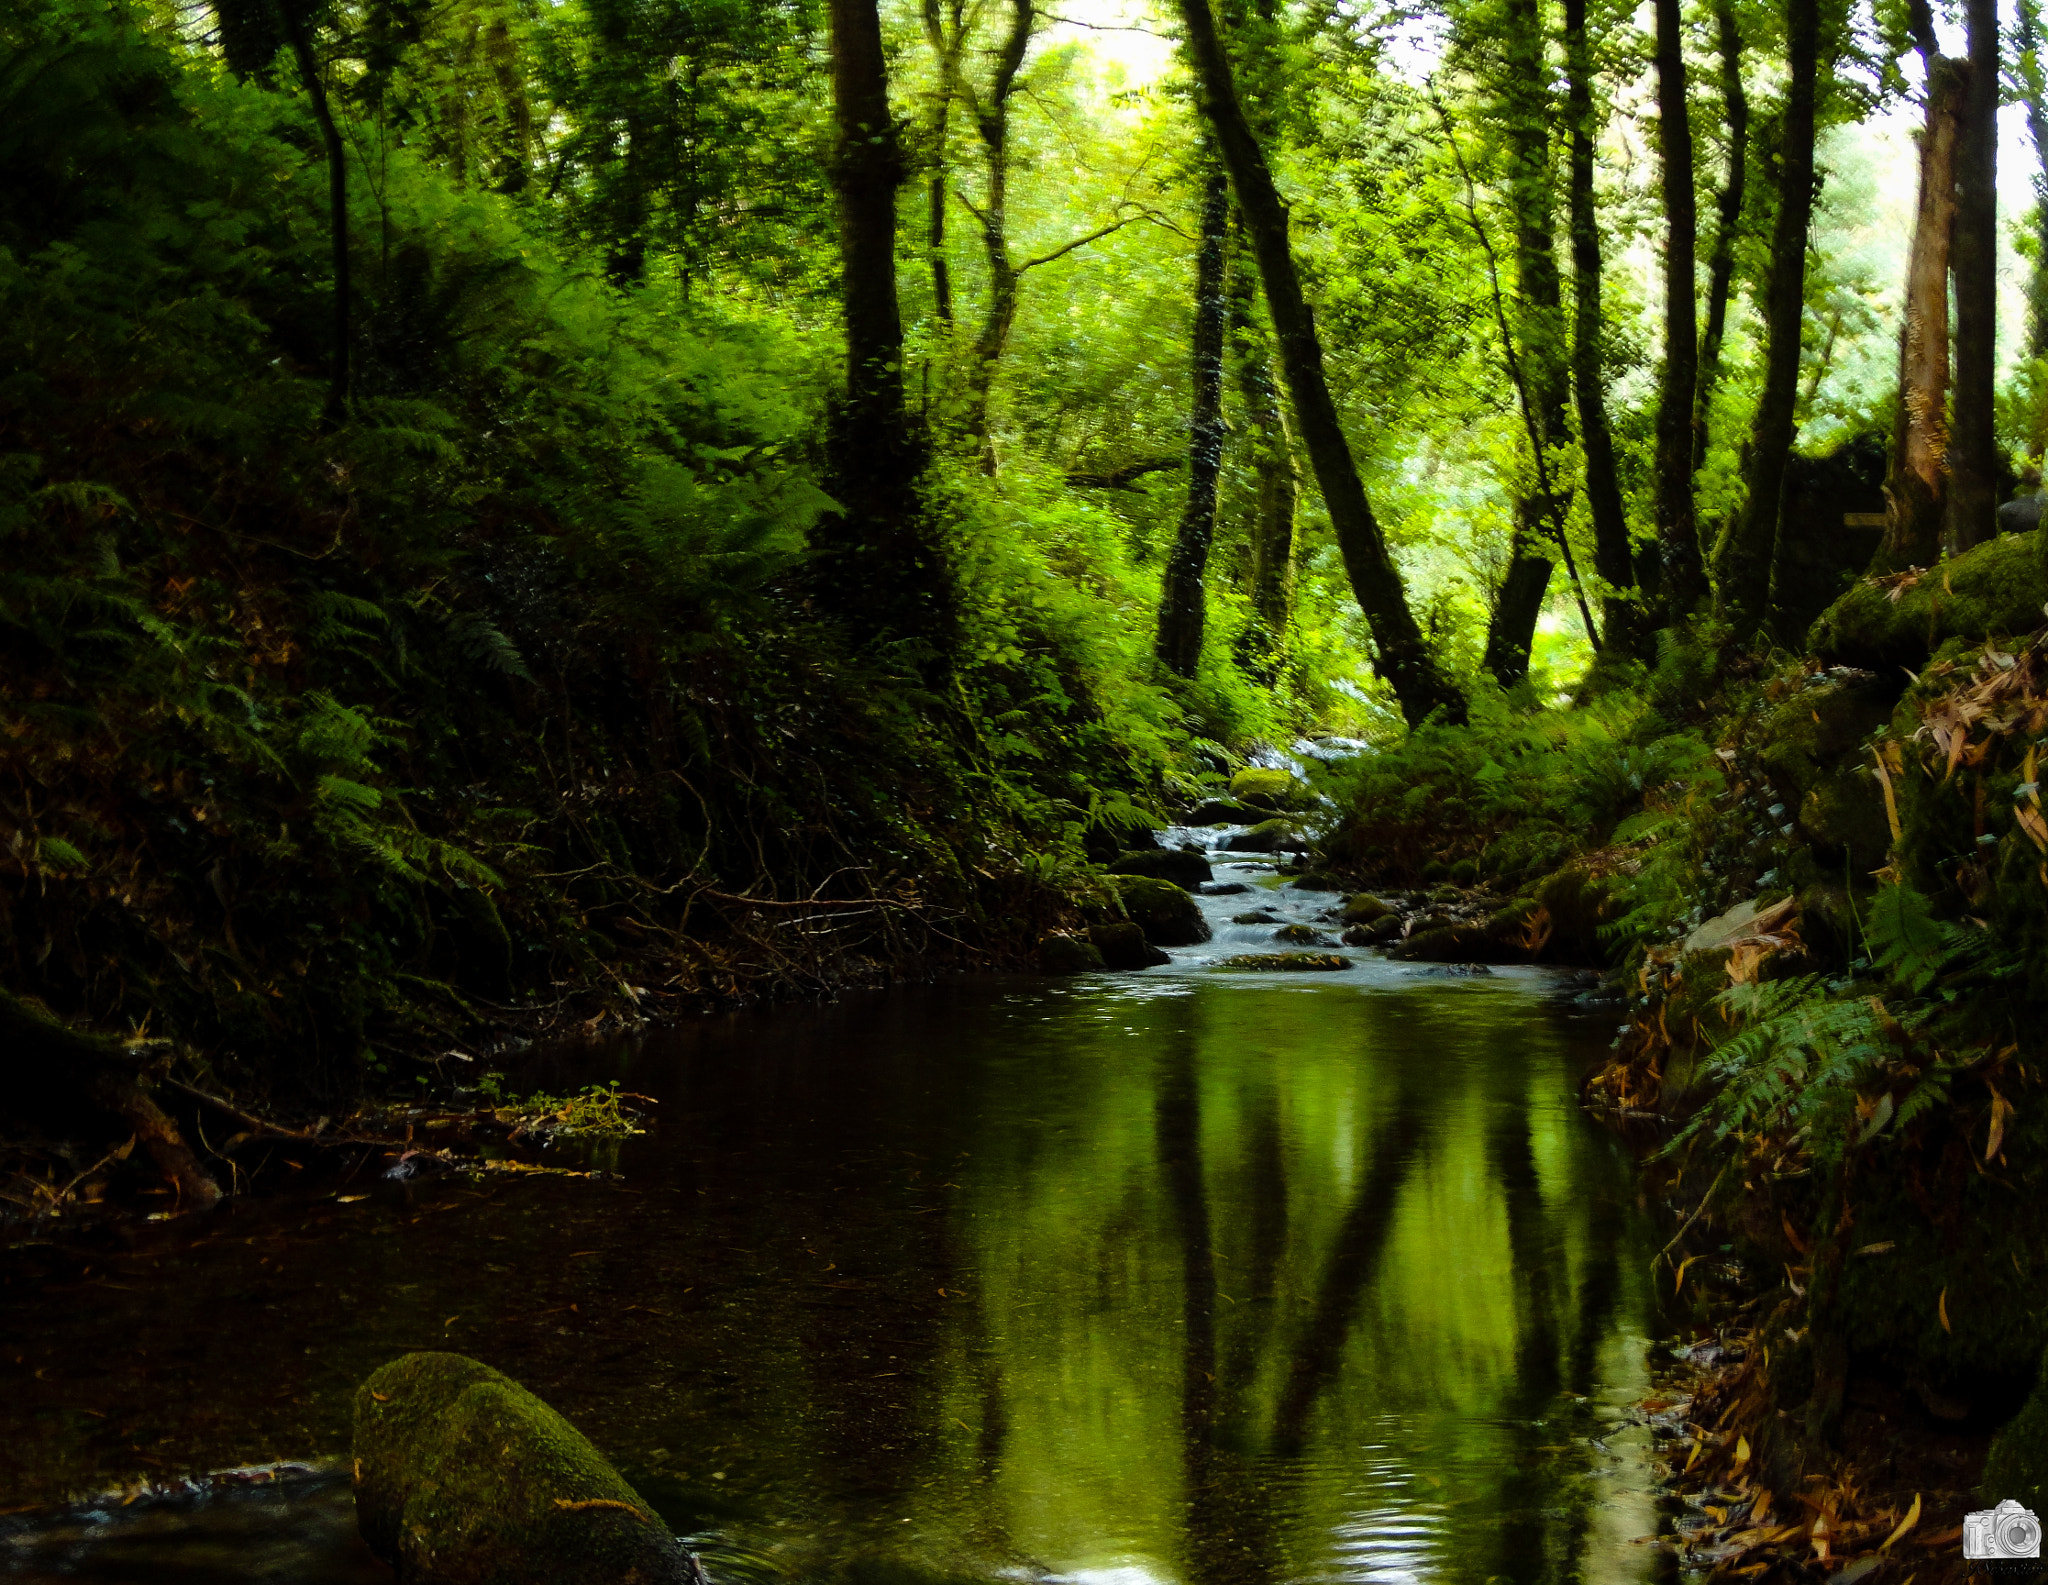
<point>1194,1274</point>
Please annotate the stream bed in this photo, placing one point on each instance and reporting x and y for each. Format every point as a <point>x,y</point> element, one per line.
<point>1190,1275</point>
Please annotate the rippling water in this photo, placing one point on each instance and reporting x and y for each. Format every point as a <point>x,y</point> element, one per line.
<point>1182,1276</point>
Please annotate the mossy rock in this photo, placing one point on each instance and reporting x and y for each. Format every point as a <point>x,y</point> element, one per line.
<point>1301,936</point>
<point>2016,1468</point>
<point>1070,955</point>
<point>1362,908</point>
<point>463,1477</point>
<point>1996,588</point>
<point>1288,962</point>
<point>1812,732</point>
<point>1258,916</point>
<point>1268,836</point>
<point>1578,904</point>
<point>1458,944</point>
<point>1122,945</point>
<point>1166,914</point>
<point>1842,819</point>
<point>1186,870</point>
<point>1314,881</point>
<point>1225,812</point>
<point>1377,934</point>
<point>1269,789</point>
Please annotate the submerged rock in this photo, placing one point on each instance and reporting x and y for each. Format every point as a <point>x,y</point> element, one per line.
<point>1302,936</point>
<point>1168,916</point>
<point>1186,870</point>
<point>1294,961</point>
<point>1122,945</point>
<point>1225,889</point>
<point>1070,955</point>
<point>1377,934</point>
<point>463,1477</point>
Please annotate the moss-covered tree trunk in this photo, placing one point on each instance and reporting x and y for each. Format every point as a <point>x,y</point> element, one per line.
<point>1523,103</point>
<point>1917,482</point>
<point>1402,658</point>
<point>1972,515</point>
<point>945,29</point>
<point>1680,577</point>
<point>1182,603</point>
<point>1748,542</point>
<point>1621,617</point>
<point>992,122</point>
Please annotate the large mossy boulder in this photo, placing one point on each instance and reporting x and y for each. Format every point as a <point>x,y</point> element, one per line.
<point>1186,870</point>
<point>1268,836</point>
<point>2017,1466</point>
<point>463,1477</point>
<point>1459,944</point>
<point>1226,812</point>
<point>1123,946</point>
<point>1269,789</point>
<point>1995,589</point>
<point>1166,914</point>
<point>1362,908</point>
<point>1070,955</point>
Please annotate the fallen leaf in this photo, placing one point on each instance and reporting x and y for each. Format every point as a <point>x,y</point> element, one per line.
<point>1912,1518</point>
<point>1742,1450</point>
<point>2001,1109</point>
<point>1941,1305</point>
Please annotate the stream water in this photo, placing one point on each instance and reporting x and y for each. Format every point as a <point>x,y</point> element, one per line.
<point>1188,1275</point>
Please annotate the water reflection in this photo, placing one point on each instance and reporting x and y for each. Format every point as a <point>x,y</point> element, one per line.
<point>1131,1281</point>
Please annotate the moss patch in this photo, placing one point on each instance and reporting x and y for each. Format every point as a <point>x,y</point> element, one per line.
<point>1166,914</point>
<point>463,1477</point>
<point>1997,588</point>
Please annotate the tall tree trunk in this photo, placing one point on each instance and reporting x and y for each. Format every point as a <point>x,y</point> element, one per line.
<point>1524,104</point>
<point>992,121</point>
<point>1680,577</point>
<point>1973,446</point>
<point>1728,226</point>
<point>1917,484</point>
<point>1403,658</point>
<point>1621,617</point>
<point>2034,94</point>
<point>1182,607</point>
<point>877,564</point>
<point>1271,531</point>
<point>300,35</point>
<point>1748,543</point>
<point>946,31</point>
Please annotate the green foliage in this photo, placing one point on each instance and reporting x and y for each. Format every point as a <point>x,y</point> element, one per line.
<point>1906,941</point>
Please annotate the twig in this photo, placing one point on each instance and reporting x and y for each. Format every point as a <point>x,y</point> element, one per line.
<point>1687,1224</point>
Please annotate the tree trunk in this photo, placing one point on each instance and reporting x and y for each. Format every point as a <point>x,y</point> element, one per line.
<point>2034,94</point>
<point>1621,618</point>
<point>1973,446</point>
<point>992,121</point>
<point>1917,486</point>
<point>877,565</point>
<point>1721,266</point>
<point>1181,603</point>
<point>337,200</point>
<point>946,31</point>
<point>1524,105</point>
<point>1271,532</point>
<point>1748,543</point>
<point>1680,577</point>
<point>1403,659</point>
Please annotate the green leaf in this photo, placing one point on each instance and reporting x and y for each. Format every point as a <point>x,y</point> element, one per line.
<point>1906,941</point>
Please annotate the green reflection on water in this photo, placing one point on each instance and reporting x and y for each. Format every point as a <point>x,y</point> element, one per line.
<point>1129,1278</point>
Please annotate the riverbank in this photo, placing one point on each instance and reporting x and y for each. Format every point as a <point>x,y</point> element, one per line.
<point>1821,883</point>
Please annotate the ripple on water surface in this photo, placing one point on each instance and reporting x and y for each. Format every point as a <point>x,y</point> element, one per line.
<point>1128,1279</point>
